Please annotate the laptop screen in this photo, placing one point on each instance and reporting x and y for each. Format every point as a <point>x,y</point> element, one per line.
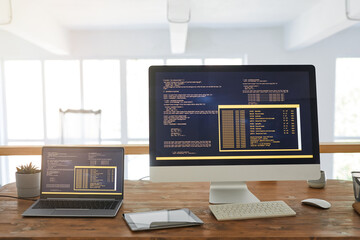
<point>82,171</point>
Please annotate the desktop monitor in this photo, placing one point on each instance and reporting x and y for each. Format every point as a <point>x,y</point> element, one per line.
<point>231,124</point>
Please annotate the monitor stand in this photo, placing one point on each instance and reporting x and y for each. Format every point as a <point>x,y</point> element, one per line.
<point>230,192</point>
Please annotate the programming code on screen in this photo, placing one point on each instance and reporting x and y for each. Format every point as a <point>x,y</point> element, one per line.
<point>233,115</point>
<point>81,171</point>
<point>259,127</point>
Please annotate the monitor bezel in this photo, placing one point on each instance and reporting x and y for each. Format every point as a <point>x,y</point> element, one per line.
<point>242,68</point>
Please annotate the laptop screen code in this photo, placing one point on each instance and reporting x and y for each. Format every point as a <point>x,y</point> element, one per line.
<point>82,171</point>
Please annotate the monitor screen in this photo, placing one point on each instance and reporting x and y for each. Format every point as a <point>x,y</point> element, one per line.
<point>95,171</point>
<point>233,115</point>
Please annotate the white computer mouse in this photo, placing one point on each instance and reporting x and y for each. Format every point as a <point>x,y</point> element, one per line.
<point>315,202</point>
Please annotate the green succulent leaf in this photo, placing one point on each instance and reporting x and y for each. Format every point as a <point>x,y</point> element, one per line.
<point>27,169</point>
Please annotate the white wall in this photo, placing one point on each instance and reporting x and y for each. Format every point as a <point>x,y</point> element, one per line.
<point>261,46</point>
<point>13,47</point>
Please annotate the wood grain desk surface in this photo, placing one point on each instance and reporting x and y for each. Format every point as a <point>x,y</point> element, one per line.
<point>340,221</point>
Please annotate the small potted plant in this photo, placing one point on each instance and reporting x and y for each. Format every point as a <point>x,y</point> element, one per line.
<point>28,180</point>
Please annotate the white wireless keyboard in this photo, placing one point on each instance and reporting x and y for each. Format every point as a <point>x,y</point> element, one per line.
<point>237,211</point>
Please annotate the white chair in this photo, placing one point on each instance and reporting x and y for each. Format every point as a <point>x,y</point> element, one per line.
<point>79,126</point>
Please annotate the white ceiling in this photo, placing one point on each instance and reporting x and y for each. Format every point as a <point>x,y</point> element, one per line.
<point>47,23</point>
<point>115,14</point>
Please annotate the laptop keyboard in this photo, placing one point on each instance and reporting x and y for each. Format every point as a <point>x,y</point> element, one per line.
<point>76,204</point>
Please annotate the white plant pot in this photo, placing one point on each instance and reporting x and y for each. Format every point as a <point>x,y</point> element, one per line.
<point>28,185</point>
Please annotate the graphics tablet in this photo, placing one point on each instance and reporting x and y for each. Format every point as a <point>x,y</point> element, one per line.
<point>161,219</point>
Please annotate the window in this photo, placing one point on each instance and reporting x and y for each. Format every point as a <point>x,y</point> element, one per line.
<point>23,91</point>
<point>183,62</point>
<point>62,90</point>
<point>347,114</point>
<point>138,97</point>
<point>223,61</point>
<point>101,86</point>
<point>347,100</point>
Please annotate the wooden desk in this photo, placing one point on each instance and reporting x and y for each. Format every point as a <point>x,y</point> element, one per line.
<point>310,223</point>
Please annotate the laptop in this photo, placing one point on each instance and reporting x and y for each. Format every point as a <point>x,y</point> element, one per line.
<point>80,182</point>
